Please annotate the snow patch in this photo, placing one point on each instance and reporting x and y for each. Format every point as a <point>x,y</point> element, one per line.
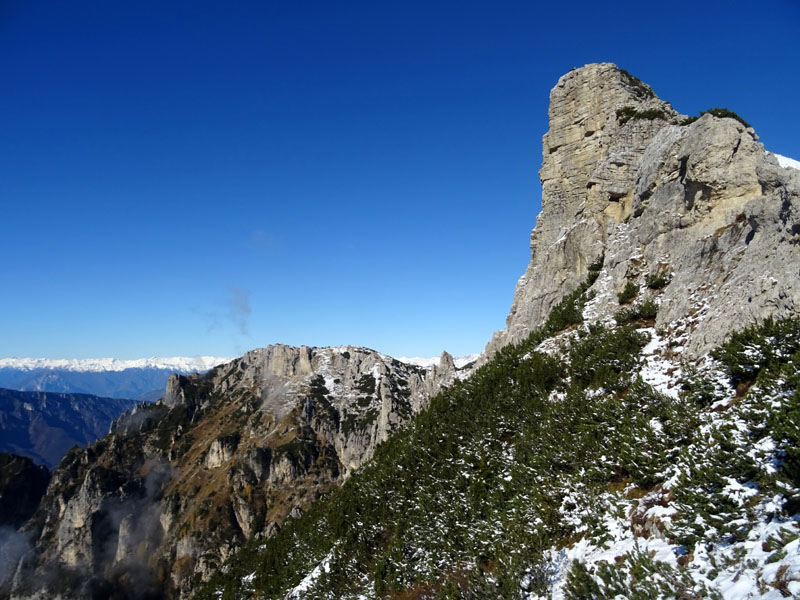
<point>460,361</point>
<point>657,371</point>
<point>308,580</point>
<point>786,162</point>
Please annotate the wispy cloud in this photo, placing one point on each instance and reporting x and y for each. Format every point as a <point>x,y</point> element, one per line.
<point>238,309</point>
<point>234,312</point>
<point>260,239</point>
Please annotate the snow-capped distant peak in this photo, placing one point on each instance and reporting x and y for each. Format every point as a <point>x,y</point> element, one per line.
<point>176,363</point>
<point>787,162</point>
<point>459,361</point>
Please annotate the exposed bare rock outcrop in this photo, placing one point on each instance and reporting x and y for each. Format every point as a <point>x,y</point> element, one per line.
<point>699,204</point>
<point>226,456</point>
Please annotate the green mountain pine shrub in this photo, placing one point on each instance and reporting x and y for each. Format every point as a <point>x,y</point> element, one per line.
<point>759,347</point>
<point>658,280</point>
<point>628,293</point>
<point>724,113</point>
<point>628,113</point>
<point>464,501</point>
<point>646,311</point>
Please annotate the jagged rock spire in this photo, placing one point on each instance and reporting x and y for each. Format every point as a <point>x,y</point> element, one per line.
<point>623,174</point>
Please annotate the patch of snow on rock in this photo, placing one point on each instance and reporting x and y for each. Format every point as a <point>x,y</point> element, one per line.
<point>460,361</point>
<point>660,373</point>
<point>308,580</point>
<point>786,162</point>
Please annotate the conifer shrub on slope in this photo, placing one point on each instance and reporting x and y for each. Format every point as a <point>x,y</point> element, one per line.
<point>520,481</point>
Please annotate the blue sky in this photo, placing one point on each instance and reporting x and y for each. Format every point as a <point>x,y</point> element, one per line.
<point>184,178</point>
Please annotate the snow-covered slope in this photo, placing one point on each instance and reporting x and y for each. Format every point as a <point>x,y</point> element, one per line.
<point>787,162</point>
<point>181,364</point>
<point>634,474</point>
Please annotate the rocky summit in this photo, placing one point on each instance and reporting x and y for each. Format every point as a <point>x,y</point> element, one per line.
<point>633,433</point>
<point>177,486</point>
<point>698,204</point>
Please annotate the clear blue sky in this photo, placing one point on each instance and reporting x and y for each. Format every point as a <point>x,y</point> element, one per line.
<point>199,177</point>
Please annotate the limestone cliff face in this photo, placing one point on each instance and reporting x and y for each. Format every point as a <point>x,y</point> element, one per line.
<point>626,178</point>
<point>226,456</point>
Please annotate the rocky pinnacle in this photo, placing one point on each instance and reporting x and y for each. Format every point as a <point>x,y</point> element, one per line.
<point>701,203</point>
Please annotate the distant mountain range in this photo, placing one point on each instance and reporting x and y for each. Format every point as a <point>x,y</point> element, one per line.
<point>174,363</point>
<point>45,425</point>
<point>141,379</point>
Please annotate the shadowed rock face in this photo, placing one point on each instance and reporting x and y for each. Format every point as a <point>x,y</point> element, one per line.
<point>142,384</point>
<point>22,485</point>
<point>702,203</point>
<point>179,485</point>
<point>44,425</point>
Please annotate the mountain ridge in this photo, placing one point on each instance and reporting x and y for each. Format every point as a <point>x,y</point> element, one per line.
<point>175,363</point>
<point>459,361</point>
<point>45,425</point>
<point>223,457</point>
<point>140,379</point>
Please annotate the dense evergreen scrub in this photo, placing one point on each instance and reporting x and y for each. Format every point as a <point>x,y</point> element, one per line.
<point>722,113</point>
<point>532,453</point>
<point>734,467</point>
<point>629,113</point>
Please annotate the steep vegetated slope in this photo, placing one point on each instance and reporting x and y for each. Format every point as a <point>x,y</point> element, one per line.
<point>179,485</point>
<point>44,425</point>
<point>22,485</point>
<point>557,471</point>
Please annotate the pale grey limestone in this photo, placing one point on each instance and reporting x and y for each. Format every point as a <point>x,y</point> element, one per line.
<point>704,202</point>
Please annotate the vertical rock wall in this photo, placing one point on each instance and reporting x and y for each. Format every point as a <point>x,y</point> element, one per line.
<point>626,177</point>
